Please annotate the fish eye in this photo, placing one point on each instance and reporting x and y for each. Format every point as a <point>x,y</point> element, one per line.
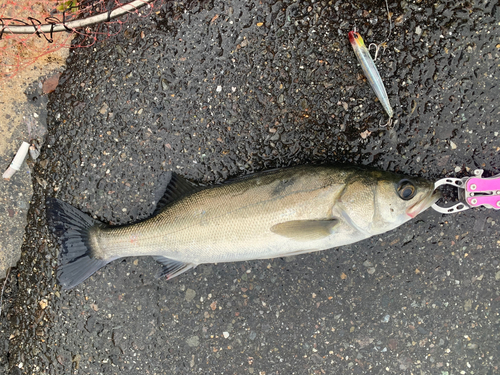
<point>406,190</point>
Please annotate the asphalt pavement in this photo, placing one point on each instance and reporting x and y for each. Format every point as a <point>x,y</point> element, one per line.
<point>215,90</point>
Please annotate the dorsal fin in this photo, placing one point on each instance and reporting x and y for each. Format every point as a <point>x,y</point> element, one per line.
<point>177,187</point>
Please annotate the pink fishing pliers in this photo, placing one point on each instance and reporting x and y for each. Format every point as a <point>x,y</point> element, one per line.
<point>472,192</point>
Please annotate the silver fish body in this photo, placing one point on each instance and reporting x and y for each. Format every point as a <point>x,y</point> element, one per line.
<point>273,214</point>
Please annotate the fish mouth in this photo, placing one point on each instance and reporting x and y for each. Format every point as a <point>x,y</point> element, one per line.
<point>424,203</point>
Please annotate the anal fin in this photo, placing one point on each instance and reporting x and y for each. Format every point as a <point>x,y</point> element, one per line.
<point>172,268</point>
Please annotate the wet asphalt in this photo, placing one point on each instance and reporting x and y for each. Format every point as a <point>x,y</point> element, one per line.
<point>214,90</point>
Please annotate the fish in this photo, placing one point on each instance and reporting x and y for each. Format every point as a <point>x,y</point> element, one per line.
<point>370,70</point>
<point>271,214</point>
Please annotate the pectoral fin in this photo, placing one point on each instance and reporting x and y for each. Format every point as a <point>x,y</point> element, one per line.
<point>305,230</point>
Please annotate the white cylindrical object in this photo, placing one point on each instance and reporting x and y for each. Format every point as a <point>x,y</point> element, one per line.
<point>18,160</point>
<point>72,25</point>
<point>20,156</point>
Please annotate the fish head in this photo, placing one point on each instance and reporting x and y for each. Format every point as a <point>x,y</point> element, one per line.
<point>377,202</point>
<point>356,39</point>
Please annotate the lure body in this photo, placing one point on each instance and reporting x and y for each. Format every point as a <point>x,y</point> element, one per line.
<point>370,70</point>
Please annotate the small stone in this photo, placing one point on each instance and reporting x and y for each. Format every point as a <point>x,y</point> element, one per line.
<point>226,334</point>
<point>190,294</point>
<point>43,304</point>
<point>399,20</point>
<point>51,83</point>
<point>453,145</point>
<point>76,359</point>
<point>468,305</point>
<point>193,341</point>
<point>497,276</point>
<point>104,109</point>
<point>365,134</point>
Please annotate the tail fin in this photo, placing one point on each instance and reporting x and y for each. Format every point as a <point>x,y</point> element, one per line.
<point>72,226</point>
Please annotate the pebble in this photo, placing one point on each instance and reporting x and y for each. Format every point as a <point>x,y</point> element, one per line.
<point>190,294</point>
<point>193,341</point>
<point>104,108</point>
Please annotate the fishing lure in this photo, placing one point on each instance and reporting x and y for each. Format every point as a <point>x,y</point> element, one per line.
<point>370,70</point>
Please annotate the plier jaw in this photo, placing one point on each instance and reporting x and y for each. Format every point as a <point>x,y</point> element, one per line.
<point>472,192</point>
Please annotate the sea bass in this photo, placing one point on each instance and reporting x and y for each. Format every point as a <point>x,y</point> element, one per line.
<point>271,214</point>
